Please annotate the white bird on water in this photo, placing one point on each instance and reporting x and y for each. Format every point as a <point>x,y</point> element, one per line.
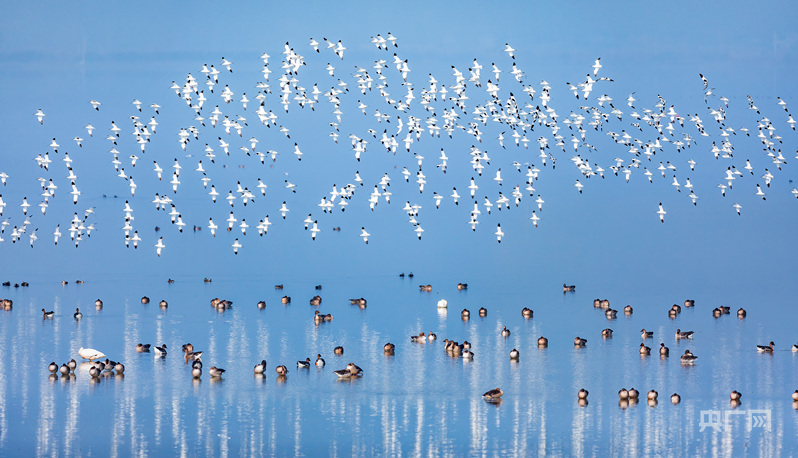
<point>90,354</point>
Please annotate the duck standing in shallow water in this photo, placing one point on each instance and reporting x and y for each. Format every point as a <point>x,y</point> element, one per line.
<point>303,364</point>
<point>260,367</point>
<point>47,315</point>
<point>77,315</point>
<point>319,361</point>
<point>568,288</point>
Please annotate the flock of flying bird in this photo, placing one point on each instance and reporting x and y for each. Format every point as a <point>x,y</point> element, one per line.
<point>469,105</point>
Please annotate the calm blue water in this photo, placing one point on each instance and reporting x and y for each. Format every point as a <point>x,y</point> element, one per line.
<point>419,401</point>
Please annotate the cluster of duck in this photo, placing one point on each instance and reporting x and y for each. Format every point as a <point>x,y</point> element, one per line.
<point>351,371</point>
<point>452,348</point>
<point>195,359</point>
<point>23,284</point>
<point>221,304</point>
<point>95,366</point>
<point>67,369</point>
<point>630,396</point>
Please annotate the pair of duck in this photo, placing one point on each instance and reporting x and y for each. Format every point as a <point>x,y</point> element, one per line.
<point>771,347</point>
<point>679,334</point>
<point>601,303</point>
<point>49,315</point>
<point>319,317</point>
<point>196,370</point>
<point>625,394</point>
<point>663,350</point>
<point>421,338</point>
<point>145,348</point>
<point>189,353</point>
<point>305,364</point>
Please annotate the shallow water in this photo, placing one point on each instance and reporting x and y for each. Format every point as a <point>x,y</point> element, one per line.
<point>418,401</point>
